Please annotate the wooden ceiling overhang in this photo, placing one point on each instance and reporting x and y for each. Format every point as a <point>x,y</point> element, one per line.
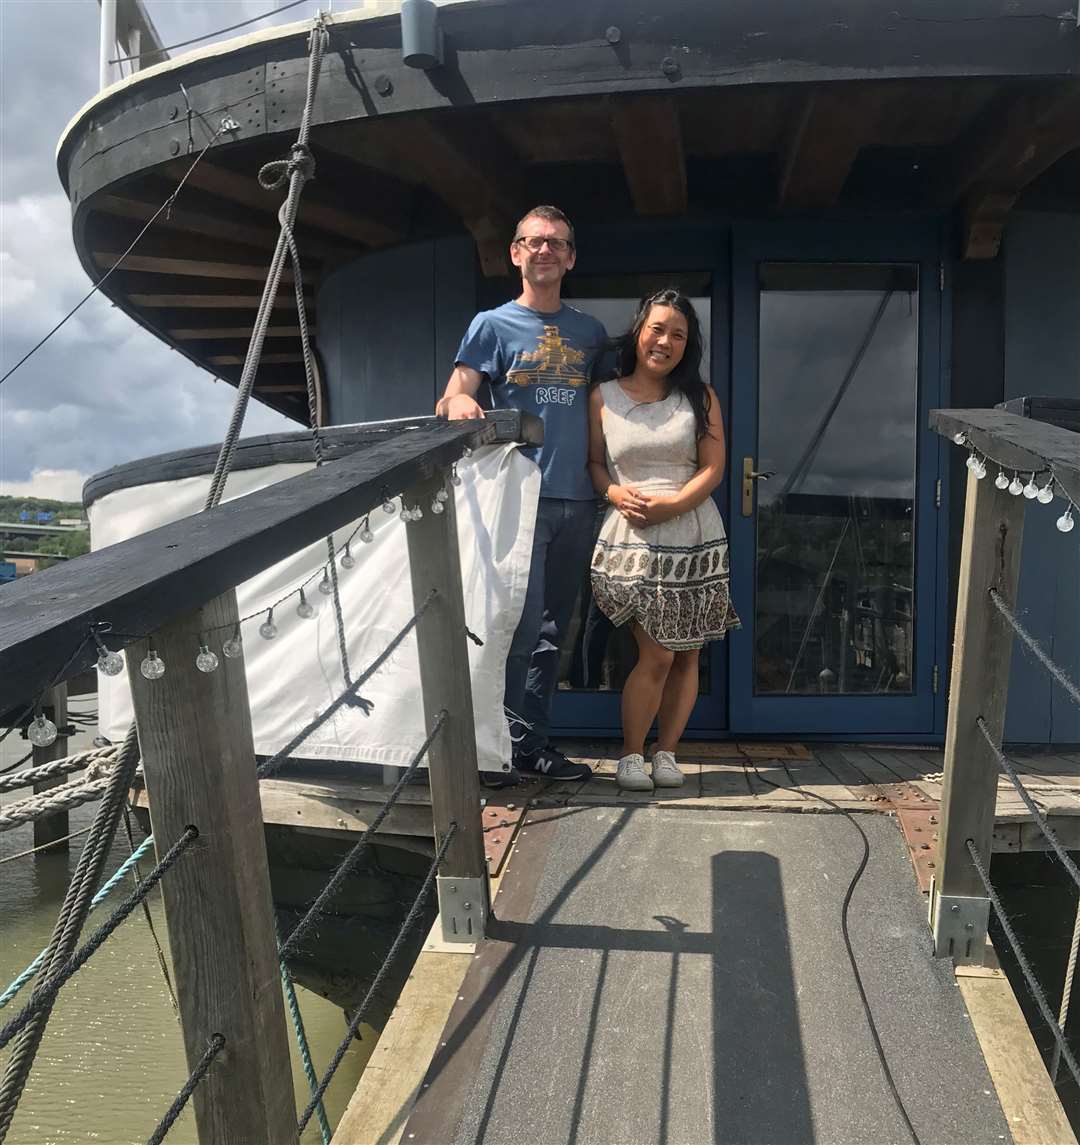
<point>614,109</point>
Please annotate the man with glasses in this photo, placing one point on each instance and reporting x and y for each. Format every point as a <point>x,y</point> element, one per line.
<point>539,355</point>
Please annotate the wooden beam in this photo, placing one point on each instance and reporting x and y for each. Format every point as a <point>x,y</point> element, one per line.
<point>268,359</point>
<point>1020,135</point>
<point>210,301</point>
<point>1020,443</point>
<point>196,268</point>
<point>141,583</point>
<point>215,333</point>
<point>461,158</point>
<point>979,686</point>
<point>453,773</point>
<point>649,137</point>
<point>179,218</point>
<point>196,743</point>
<point>51,832</point>
<point>827,129</point>
<point>244,189</point>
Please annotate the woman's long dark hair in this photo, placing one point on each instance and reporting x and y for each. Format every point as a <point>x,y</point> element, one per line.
<point>686,377</point>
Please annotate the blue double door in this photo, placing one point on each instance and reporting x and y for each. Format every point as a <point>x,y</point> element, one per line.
<point>825,348</point>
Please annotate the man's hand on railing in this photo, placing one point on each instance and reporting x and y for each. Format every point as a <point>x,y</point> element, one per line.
<point>460,407</point>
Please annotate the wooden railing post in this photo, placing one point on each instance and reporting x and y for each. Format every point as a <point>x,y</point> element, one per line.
<point>435,564</point>
<point>197,751</point>
<point>51,831</point>
<point>979,686</point>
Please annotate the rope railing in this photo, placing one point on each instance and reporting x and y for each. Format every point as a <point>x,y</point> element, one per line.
<point>411,919</point>
<point>46,990</point>
<point>214,1047</point>
<point>352,859</point>
<point>1035,648</point>
<point>48,803</point>
<point>1025,966</point>
<point>56,767</point>
<point>1009,768</point>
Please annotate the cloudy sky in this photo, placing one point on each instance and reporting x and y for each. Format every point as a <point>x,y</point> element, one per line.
<point>101,391</point>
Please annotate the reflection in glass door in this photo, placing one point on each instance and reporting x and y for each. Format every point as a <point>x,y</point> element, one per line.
<point>834,529</point>
<point>835,537</point>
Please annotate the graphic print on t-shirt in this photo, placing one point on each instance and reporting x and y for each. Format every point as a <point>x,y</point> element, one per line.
<point>553,364</point>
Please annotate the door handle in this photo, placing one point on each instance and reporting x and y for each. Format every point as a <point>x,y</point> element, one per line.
<point>749,476</point>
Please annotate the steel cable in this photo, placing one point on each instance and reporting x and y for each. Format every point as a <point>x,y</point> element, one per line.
<point>348,864</point>
<point>1025,967</point>
<point>1034,647</point>
<point>411,920</point>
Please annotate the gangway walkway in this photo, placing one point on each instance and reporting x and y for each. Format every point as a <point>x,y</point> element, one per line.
<point>673,975</point>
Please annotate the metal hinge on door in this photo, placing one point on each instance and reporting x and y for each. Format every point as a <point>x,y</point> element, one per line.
<point>941,276</point>
<point>935,680</point>
<point>937,494</point>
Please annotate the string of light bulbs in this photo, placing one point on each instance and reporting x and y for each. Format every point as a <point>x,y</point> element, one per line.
<point>152,667</point>
<point>1031,489</point>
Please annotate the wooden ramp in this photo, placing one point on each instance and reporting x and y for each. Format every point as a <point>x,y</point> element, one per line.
<point>671,974</point>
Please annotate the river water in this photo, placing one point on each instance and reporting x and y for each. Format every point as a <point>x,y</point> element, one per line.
<point>112,1059</point>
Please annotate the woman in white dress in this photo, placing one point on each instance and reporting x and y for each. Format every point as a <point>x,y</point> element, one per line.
<point>656,453</point>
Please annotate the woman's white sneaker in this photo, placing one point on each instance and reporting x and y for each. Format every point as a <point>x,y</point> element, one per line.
<point>665,771</point>
<point>631,775</point>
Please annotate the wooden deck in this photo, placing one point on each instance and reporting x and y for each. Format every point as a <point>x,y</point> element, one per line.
<point>724,776</point>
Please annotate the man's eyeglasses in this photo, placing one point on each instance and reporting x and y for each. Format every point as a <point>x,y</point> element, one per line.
<point>535,243</point>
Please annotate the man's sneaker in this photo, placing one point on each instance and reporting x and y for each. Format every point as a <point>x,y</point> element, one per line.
<point>547,763</point>
<point>665,771</point>
<point>631,776</point>
<point>495,780</point>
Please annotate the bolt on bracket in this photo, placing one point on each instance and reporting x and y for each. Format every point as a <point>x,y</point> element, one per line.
<point>959,924</point>
<point>463,908</point>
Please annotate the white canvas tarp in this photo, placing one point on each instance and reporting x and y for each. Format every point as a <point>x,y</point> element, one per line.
<point>299,673</point>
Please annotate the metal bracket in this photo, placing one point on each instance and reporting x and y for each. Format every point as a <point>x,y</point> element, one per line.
<point>959,924</point>
<point>463,908</point>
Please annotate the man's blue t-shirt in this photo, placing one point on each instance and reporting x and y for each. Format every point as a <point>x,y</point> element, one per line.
<point>542,364</point>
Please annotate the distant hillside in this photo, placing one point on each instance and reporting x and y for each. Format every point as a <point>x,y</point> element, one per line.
<point>68,545</point>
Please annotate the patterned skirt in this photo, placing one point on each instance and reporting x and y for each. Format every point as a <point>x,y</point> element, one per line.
<point>672,578</point>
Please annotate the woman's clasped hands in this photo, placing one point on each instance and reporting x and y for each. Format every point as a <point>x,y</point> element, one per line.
<point>640,508</point>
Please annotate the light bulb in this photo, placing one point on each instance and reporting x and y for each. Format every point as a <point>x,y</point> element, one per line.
<point>978,470</point>
<point>406,513</point>
<point>960,437</point>
<point>1046,493</point>
<point>347,559</point>
<point>110,663</point>
<point>442,495</point>
<point>1031,490</point>
<point>388,506</point>
<point>268,629</point>
<point>42,732</point>
<point>366,535</point>
<point>206,661</point>
<point>1015,486</point>
<point>1001,481</point>
<point>304,609</point>
<point>417,513</point>
<point>325,587</point>
<point>234,646</point>
<point>153,667</point>
<point>1065,522</point>
<point>972,460</point>
<point>437,506</point>
<point>455,480</point>
<point>467,451</point>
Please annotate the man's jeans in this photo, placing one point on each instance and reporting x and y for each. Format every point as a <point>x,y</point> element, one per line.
<point>561,546</point>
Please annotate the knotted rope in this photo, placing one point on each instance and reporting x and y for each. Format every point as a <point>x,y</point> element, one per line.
<point>57,767</point>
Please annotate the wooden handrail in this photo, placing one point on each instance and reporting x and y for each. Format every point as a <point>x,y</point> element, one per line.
<point>1019,443</point>
<point>143,583</point>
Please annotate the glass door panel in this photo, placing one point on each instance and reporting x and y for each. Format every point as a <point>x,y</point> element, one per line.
<point>835,539</point>
<point>834,529</point>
